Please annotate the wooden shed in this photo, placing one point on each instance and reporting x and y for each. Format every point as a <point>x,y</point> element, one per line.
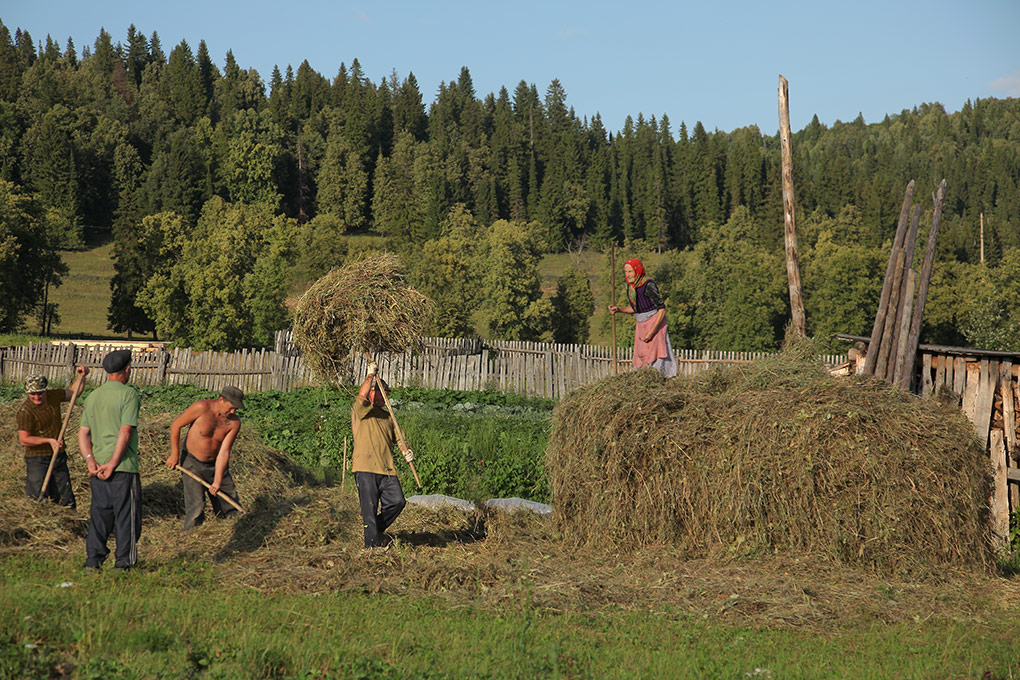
<point>984,384</point>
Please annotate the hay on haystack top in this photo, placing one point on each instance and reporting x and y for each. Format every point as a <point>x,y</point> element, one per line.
<point>772,457</point>
<point>364,306</point>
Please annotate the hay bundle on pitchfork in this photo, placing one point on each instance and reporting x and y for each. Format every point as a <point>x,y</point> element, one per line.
<point>364,307</point>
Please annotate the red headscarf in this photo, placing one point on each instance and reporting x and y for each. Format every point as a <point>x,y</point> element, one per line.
<point>639,269</point>
<point>640,280</point>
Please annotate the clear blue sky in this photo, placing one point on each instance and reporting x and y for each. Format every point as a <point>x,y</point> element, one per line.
<point>718,62</point>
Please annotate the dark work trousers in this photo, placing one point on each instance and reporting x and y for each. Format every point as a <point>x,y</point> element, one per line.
<point>116,507</point>
<point>380,492</point>
<point>59,488</point>
<point>194,493</point>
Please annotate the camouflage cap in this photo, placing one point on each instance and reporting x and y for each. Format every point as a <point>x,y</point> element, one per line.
<point>36,383</point>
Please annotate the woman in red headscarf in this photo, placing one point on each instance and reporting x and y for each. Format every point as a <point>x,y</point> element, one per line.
<point>651,338</point>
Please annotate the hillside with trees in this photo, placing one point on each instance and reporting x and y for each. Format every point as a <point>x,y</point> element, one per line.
<point>219,189</point>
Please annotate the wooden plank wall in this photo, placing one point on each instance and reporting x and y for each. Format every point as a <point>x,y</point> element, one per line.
<point>988,392</point>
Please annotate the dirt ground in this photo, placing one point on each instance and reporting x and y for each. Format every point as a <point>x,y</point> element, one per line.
<point>301,535</point>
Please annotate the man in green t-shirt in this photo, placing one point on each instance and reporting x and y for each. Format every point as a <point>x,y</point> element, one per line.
<point>108,438</point>
<point>39,426</point>
<point>379,491</point>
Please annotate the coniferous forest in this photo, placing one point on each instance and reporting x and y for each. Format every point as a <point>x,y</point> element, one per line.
<point>217,187</point>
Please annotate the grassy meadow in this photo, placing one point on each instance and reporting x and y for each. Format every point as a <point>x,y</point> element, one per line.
<point>183,619</point>
<point>84,296</point>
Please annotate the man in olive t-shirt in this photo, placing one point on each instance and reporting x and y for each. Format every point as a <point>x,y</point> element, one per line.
<point>379,490</point>
<point>108,438</point>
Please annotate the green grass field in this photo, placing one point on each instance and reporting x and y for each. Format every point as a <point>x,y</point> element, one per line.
<point>84,297</point>
<point>183,619</point>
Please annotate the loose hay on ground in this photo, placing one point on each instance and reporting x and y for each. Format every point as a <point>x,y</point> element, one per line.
<point>302,537</point>
<point>771,457</point>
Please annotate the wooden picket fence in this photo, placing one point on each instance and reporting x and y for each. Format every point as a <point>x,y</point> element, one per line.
<point>527,368</point>
<point>252,370</point>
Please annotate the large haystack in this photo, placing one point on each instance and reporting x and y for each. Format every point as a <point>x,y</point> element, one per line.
<point>774,456</point>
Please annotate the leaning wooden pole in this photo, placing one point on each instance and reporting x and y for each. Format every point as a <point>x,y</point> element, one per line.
<point>789,222</point>
<point>907,379</point>
<point>871,358</point>
<point>885,345</point>
<point>897,364</point>
<point>903,311</point>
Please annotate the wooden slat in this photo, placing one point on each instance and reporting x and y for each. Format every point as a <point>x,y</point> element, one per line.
<point>999,502</point>
<point>959,375</point>
<point>926,382</point>
<point>940,371</point>
<point>972,376</point>
<point>1008,406</point>
<point>989,379</point>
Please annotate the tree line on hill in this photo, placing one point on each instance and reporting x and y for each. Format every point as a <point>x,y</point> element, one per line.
<point>218,187</point>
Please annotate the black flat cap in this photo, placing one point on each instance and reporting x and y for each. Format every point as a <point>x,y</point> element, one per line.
<point>117,361</point>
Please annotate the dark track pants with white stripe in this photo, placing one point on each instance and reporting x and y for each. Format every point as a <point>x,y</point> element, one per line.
<point>116,507</point>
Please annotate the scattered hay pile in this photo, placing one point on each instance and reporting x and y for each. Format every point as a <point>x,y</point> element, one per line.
<point>774,456</point>
<point>363,306</point>
<point>277,495</point>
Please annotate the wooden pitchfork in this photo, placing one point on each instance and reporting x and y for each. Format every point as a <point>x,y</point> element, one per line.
<point>401,440</point>
<point>201,481</point>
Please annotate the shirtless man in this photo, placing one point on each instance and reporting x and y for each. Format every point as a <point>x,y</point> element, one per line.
<point>212,427</point>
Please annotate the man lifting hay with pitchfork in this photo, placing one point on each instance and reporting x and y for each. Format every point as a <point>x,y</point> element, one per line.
<point>359,308</point>
<point>42,435</point>
<point>379,491</point>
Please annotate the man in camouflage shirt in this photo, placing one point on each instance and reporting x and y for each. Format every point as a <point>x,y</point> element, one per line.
<point>38,428</point>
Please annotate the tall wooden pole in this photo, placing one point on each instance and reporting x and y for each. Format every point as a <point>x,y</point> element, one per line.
<point>612,298</point>
<point>790,228</point>
<point>885,345</point>
<point>871,359</point>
